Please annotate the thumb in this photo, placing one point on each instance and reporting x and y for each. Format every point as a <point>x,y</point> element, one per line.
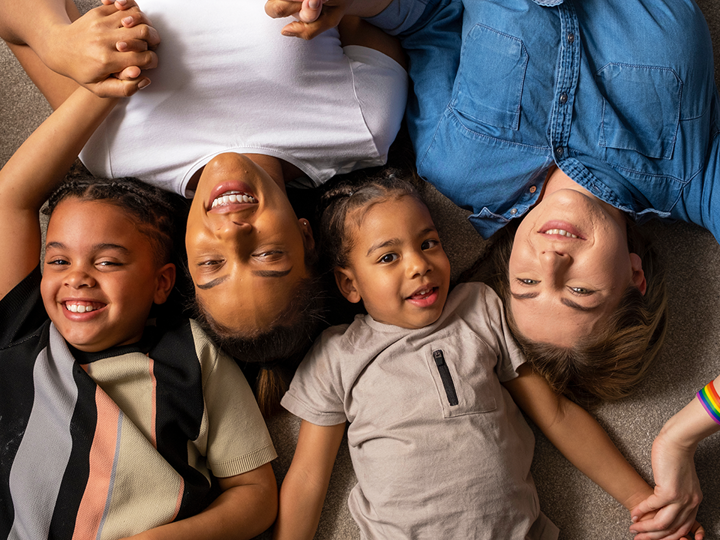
<point>112,87</point>
<point>651,504</point>
<point>310,10</point>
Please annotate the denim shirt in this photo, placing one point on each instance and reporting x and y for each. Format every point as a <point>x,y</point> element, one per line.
<point>619,94</point>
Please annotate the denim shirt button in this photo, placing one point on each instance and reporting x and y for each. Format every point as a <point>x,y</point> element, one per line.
<point>563,98</point>
<point>559,151</point>
<point>571,37</point>
<point>533,189</point>
<point>513,211</point>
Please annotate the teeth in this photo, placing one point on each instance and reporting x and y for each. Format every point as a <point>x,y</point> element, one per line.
<point>79,308</point>
<point>233,197</point>
<point>561,233</point>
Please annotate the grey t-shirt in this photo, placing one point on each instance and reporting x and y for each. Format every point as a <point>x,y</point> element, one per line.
<point>439,447</point>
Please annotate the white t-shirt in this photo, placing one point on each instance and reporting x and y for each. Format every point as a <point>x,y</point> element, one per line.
<point>229,81</point>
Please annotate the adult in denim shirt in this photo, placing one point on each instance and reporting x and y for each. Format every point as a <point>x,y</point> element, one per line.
<point>619,96</point>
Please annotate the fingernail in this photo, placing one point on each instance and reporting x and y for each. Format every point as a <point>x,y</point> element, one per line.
<point>314,4</point>
<point>288,33</point>
<point>143,84</point>
<point>121,45</point>
<point>121,2</point>
<point>634,519</point>
<point>127,20</point>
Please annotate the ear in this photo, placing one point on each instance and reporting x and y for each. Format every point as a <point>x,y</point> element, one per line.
<point>307,234</point>
<point>165,281</point>
<point>346,283</point>
<point>638,276</point>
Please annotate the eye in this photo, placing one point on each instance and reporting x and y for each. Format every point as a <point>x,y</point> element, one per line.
<point>580,291</point>
<point>527,281</point>
<point>430,243</point>
<point>269,256</point>
<point>210,262</point>
<point>388,258</point>
<point>57,262</point>
<point>108,263</point>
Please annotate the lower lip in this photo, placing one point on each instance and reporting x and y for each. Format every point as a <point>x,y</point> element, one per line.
<point>224,187</point>
<point>425,301</point>
<point>564,225</point>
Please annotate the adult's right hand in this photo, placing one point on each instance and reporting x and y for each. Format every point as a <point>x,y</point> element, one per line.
<point>109,44</point>
<point>313,16</point>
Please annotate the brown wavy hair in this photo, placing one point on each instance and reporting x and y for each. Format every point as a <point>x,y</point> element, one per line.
<point>608,364</point>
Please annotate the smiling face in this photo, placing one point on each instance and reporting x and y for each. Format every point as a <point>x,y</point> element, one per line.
<point>570,265</point>
<point>398,267</point>
<point>100,275</point>
<point>245,245</point>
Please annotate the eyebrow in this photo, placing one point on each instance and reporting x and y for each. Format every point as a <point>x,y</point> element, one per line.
<point>259,273</point>
<point>96,247</point>
<point>395,241</point>
<point>566,301</point>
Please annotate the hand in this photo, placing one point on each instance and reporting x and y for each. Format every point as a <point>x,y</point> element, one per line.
<point>676,497</point>
<point>314,16</point>
<point>106,46</point>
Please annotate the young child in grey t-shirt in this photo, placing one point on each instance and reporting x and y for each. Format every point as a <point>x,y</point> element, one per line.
<point>427,381</point>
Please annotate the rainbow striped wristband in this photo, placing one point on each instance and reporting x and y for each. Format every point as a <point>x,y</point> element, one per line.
<point>710,399</point>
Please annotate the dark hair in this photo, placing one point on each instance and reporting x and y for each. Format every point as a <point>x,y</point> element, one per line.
<point>608,364</point>
<point>153,210</point>
<point>351,199</point>
<point>277,351</point>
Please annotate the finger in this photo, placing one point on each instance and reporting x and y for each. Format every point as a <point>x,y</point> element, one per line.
<point>311,10</point>
<point>139,22</point>
<point>650,504</point>
<point>134,45</point>
<point>129,73</point>
<point>142,60</point>
<point>279,9</point>
<point>124,4</point>
<point>699,531</point>
<point>329,19</point>
<point>113,87</point>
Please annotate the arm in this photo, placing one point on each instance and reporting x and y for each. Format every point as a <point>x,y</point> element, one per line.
<point>580,439</point>
<point>88,48</point>
<point>304,488</point>
<point>673,452</point>
<point>246,507</point>
<point>35,170</point>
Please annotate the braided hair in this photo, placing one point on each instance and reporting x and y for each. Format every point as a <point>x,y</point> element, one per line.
<point>352,199</point>
<point>155,211</point>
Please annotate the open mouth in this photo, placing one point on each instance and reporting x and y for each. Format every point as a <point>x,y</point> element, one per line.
<point>562,229</point>
<point>82,307</point>
<point>424,297</point>
<point>233,197</point>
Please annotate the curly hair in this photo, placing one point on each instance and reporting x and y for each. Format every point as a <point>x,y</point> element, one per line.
<point>608,364</point>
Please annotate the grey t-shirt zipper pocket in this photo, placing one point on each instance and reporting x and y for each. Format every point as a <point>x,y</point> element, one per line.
<point>446,377</point>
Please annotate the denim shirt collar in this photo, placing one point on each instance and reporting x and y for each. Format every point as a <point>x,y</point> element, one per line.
<point>548,3</point>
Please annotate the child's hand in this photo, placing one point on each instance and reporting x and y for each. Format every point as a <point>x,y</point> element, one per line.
<point>677,494</point>
<point>314,16</point>
<point>108,43</point>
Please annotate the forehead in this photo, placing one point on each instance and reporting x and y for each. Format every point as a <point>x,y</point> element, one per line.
<point>396,213</point>
<point>81,221</point>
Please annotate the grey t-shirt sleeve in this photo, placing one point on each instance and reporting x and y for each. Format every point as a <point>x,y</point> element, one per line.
<point>510,355</point>
<point>316,391</point>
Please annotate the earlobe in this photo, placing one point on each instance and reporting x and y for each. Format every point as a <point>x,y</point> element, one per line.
<point>165,283</point>
<point>638,275</point>
<point>346,283</point>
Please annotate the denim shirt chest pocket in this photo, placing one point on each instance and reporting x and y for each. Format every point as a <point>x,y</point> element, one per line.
<point>489,83</point>
<point>640,109</point>
<point>464,377</point>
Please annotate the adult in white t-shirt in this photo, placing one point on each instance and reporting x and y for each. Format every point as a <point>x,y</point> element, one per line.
<point>235,110</point>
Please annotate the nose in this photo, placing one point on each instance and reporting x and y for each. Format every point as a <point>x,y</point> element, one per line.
<point>554,263</point>
<point>417,265</point>
<point>231,228</point>
<point>79,278</point>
